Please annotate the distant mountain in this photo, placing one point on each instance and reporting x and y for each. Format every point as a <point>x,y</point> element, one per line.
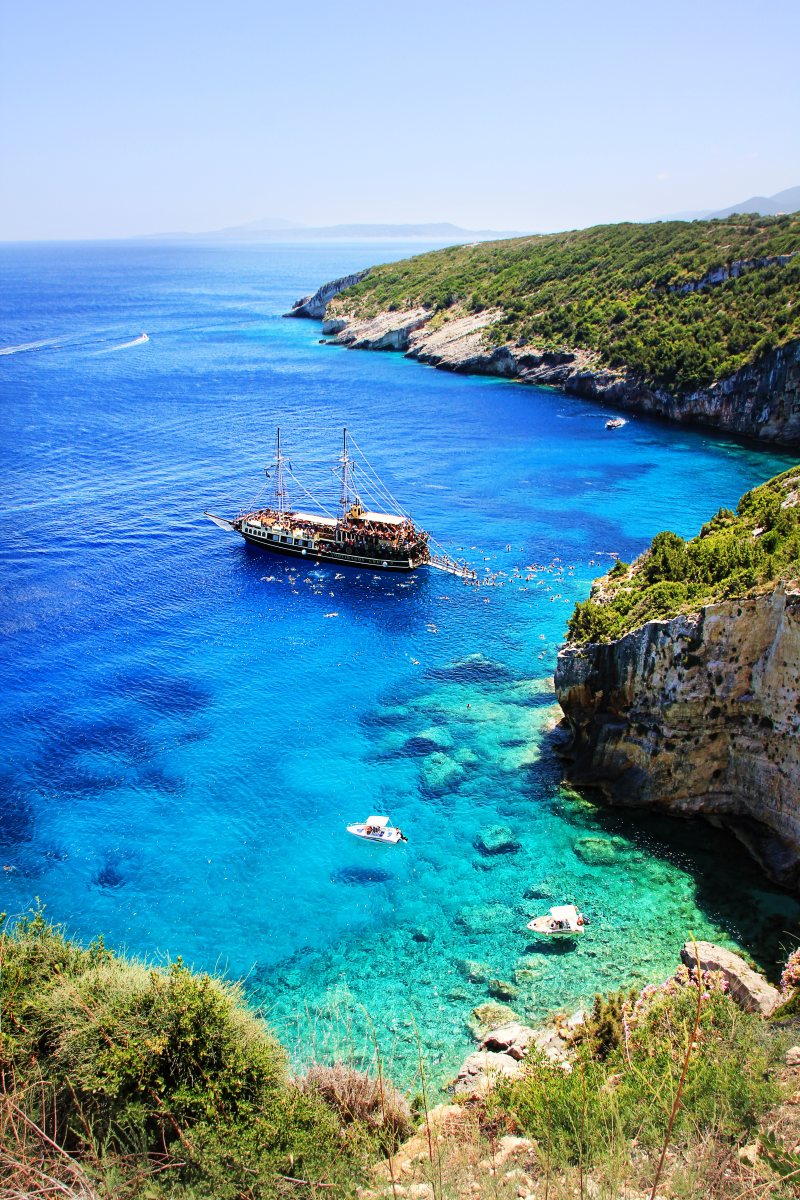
<point>275,229</point>
<point>787,201</point>
<point>264,225</point>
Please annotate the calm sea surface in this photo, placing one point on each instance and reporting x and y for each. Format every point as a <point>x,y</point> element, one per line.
<point>186,724</point>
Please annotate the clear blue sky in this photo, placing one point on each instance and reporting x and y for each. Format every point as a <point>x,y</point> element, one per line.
<point>120,119</point>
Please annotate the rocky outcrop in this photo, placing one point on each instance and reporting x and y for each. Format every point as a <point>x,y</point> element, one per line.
<point>730,271</point>
<point>697,715</point>
<point>314,306</point>
<point>749,989</point>
<point>762,400</point>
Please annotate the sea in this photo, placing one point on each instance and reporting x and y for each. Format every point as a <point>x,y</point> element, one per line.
<point>188,724</point>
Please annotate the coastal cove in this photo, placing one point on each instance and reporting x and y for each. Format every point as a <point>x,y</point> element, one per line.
<point>188,724</point>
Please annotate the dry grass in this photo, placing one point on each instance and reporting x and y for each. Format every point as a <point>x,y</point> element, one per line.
<point>359,1096</point>
<point>34,1165</point>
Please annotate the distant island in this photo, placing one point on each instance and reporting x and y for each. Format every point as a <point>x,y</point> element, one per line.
<point>276,229</point>
<point>694,321</point>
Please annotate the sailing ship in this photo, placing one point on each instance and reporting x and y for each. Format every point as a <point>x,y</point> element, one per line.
<point>355,536</point>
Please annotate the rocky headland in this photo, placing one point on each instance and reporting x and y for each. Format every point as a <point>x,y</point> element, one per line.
<point>671,324</point>
<point>762,400</point>
<point>697,713</point>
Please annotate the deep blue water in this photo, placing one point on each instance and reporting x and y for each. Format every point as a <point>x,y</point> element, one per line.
<point>186,724</point>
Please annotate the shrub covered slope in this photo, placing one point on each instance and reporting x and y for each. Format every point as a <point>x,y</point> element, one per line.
<point>734,554</point>
<point>162,1081</point>
<point>647,298</point>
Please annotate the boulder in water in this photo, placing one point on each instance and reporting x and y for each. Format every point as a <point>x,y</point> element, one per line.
<point>496,839</point>
<point>489,1016</point>
<point>501,989</point>
<point>484,918</point>
<point>596,851</point>
<point>475,972</point>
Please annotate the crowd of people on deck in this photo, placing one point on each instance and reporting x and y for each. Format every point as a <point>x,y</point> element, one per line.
<point>367,537</point>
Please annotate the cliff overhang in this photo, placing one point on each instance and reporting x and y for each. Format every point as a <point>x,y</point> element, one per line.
<point>697,715</point>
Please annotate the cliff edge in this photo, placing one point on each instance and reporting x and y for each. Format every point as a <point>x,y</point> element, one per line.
<point>697,713</point>
<point>695,321</point>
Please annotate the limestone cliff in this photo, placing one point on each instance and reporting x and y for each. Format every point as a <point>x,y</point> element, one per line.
<point>314,306</point>
<point>762,400</point>
<point>699,714</point>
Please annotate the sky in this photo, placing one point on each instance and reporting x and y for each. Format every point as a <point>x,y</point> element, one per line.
<point>192,115</point>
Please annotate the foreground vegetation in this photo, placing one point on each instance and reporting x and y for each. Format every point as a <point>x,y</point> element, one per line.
<point>627,292</point>
<point>122,1081</point>
<point>734,554</point>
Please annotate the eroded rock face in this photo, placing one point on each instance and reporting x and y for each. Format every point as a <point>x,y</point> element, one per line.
<point>697,715</point>
<point>761,400</point>
<point>314,306</point>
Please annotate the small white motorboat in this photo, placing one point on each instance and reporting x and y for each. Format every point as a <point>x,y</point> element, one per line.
<point>616,423</point>
<point>378,829</point>
<point>563,920</point>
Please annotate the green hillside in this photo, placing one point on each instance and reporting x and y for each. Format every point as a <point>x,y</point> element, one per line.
<point>734,554</point>
<point>614,290</point>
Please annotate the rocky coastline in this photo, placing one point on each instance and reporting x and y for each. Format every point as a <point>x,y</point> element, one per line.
<point>697,715</point>
<point>761,401</point>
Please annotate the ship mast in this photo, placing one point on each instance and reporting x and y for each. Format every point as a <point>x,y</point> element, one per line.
<point>280,487</point>
<point>348,478</point>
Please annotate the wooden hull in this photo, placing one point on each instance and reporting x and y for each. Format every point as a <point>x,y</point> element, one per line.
<point>341,558</point>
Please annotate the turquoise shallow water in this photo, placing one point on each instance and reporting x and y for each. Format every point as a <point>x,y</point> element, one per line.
<point>188,724</point>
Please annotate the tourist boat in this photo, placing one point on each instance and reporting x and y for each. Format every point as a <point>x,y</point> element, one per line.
<point>378,829</point>
<point>563,920</point>
<point>355,536</point>
<point>616,423</point>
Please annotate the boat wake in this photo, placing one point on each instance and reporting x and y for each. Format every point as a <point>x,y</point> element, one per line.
<point>30,347</point>
<point>72,342</point>
<point>139,341</point>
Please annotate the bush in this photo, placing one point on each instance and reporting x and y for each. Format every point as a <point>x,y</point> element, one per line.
<point>614,290</point>
<point>628,1092</point>
<point>359,1097</point>
<point>734,554</point>
<point>142,1061</point>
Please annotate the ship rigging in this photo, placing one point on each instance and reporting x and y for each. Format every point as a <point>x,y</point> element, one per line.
<point>355,536</point>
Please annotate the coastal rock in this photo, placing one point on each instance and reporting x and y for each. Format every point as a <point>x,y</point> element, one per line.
<point>314,306</point>
<point>696,715</point>
<point>749,989</point>
<point>387,331</point>
<point>496,839</point>
<point>513,1039</point>
<point>760,400</point>
<point>479,1073</point>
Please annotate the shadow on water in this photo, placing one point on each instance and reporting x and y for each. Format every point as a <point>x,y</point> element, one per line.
<point>729,886</point>
<point>354,876</point>
<point>17,825</point>
<point>367,594</point>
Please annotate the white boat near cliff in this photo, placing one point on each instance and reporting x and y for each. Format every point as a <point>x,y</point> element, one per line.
<point>563,920</point>
<point>378,829</point>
